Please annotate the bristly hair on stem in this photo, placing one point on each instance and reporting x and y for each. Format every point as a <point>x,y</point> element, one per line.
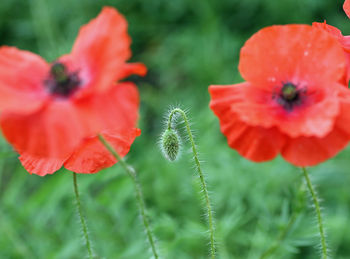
<point>315,200</point>
<point>81,217</point>
<point>170,147</point>
<point>139,196</point>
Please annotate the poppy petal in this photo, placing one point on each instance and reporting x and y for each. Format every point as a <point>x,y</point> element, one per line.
<point>116,108</point>
<point>40,166</point>
<point>132,69</point>
<point>252,142</point>
<point>278,54</point>
<point>62,121</point>
<point>343,40</point>
<point>309,151</point>
<point>52,132</point>
<point>92,156</point>
<point>257,107</point>
<point>101,49</point>
<point>346,7</point>
<point>22,76</point>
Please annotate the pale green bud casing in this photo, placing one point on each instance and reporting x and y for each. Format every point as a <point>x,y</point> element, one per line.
<point>170,144</point>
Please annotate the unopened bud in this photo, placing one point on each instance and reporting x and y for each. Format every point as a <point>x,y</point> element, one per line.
<point>170,144</point>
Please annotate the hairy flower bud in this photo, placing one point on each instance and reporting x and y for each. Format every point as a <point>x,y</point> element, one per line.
<point>170,144</point>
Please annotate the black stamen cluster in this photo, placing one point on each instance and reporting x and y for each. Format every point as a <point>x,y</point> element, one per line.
<point>289,96</point>
<point>61,82</point>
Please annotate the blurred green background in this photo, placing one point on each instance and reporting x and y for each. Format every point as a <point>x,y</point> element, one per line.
<point>187,45</point>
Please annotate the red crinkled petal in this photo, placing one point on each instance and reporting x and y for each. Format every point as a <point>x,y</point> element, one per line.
<point>261,144</point>
<point>310,151</point>
<point>52,132</point>
<point>63,121</point>
<point>294,53</point>
<point>116,108</point>
<point>22,76</point>
<point>132,69</point>
<point>335,32</point>
<point>92,156</point>
<point>343,40</point>
<point>256,107</point>
<point>346,7</point>
<point>253,142</point>
<point>40,166</point>
<point>101,49</point>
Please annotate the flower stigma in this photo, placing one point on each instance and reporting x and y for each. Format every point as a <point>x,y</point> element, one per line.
<point>61,82</point>
<point>289,96</point>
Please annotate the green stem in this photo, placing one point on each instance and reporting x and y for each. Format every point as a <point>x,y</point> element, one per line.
<point>201,176</point>
<point>131,172</point>
<point>82,219</point>
<point>318,213</point>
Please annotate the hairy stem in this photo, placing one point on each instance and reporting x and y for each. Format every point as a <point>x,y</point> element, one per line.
<point>82,219</point>
<point>131,172</point>
<point>318,213</point>
<point>201,176</point>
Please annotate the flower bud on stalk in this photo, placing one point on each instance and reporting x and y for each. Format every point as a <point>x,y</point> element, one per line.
<point>170,144</point>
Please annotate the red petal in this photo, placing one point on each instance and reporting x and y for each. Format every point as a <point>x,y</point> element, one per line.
<point>343,40</point>
<point>52,132</point>
<point>346,7</point>
<point>40,166</point>
<point>133,69</point>
<point>116,108</point>
<point>254,143</point>
<point>257,107</point>
<point>22,76</point>
<point>294,53</point>
<point>63,121</point>
<point>101,49</point>
<point>92,156</point>
<point>309,151</point>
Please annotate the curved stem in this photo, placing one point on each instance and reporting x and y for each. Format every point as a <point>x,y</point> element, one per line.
<point>201,176</point>
<point>318,213</point>
<point>82,219</point>
<point>131,172</point>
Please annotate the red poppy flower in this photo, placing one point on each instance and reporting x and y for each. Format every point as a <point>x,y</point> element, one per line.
<point>292,103</point>
<point>91,156</point>
<point>48,110</point>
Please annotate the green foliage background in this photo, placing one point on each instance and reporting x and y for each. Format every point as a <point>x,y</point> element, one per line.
<point>187,45</point>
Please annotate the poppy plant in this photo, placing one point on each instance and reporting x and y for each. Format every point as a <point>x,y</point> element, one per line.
<point>50,112</point>
<point>294,101</point>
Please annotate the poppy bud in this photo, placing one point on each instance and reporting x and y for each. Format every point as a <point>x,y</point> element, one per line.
<point>170,144</point>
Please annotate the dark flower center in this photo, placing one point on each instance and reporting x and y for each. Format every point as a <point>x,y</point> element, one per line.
<point>61,82</point>
<point>289,96</point>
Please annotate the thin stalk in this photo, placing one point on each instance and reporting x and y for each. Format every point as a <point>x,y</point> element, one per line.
<point>82,219</point>
<point>318,213</point>
<point>201,176</point>
<point>131,172</point>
